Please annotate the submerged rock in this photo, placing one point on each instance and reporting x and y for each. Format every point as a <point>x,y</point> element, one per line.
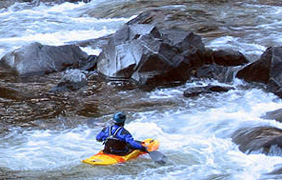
<point>277,115</point>
<point>195,91</point>
<point>36,58</point>
<point>276,171</point>
<point>259,139</point>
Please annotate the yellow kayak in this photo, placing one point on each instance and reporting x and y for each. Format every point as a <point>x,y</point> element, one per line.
<point>107,159</point>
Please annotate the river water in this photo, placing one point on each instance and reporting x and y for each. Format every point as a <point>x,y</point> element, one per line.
<point>195,133</point>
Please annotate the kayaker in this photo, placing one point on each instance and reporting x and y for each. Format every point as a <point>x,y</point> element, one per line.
<point>119,141</point>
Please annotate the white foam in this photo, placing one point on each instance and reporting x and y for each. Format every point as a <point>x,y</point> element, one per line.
<point>91,51</point>
<point>57,38</point>
<point>45,150</point>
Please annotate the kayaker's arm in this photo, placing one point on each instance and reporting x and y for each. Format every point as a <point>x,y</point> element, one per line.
<point>129,139</point>
<point>102,135</point>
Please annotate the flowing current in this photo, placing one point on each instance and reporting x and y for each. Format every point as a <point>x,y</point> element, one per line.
<point>194,133</point>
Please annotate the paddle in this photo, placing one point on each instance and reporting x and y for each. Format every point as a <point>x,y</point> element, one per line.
<point>157,157</point>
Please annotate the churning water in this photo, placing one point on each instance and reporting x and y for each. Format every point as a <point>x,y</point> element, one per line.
<point>195,133</point>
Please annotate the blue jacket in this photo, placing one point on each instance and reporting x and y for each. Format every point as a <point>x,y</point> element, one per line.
<point>122,135</point>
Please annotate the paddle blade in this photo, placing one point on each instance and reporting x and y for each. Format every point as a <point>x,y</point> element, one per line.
<point>158,157</point>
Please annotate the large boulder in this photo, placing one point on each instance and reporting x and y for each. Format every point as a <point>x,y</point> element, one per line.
<point>142,53</point>
<point>36,58</point>
<point>123,51</point>
<point>258,139</point>
<point>266,70</point>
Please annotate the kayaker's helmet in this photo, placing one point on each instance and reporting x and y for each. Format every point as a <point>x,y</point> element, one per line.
<point>119,117</point>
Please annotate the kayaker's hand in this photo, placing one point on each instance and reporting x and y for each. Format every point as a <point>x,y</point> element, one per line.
<point>144,149</point>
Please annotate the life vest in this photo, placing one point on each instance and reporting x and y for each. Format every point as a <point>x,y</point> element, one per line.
<point>113,145</point>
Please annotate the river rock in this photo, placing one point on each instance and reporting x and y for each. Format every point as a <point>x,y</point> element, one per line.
<point>277,115</point>
<point>195,91</point>
<point>141,53</point>
<point>221,65</point>
<point>259,139</point>
<point>14,94</point>
<point>71,81</point>
<point>222,74</point>
<point>229,57</point>
<point>266,70</point>
<point>276,171</point>
<point>89,64</point>
<point>36,58</point>
<point>183,40</point>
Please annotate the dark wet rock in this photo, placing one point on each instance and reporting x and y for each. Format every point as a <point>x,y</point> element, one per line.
<point>89,64</point>
<point>208,56</point>
<point>277,115</point>
<point>229,58</point>
<point>258,139</point>
<point>195,91</point>
<point>266,70</point>
<point>212,71</point>
<point>9,93</point>
<point>71,81</point>
<point>258,71</point>
<point>221,65</point>
<point>183,40</point>
<point>141,53</point>
<point>36,58</point>
<point>178,18</point>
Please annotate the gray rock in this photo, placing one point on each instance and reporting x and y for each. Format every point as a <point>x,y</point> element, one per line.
<point>195,91</point>
<point>258,139</point>
<point>71,81</point>
<point>266,70</point>
<point>36,58</point>
<point>229,58</point>
<point>277,115</point>
<point>141,53</point>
